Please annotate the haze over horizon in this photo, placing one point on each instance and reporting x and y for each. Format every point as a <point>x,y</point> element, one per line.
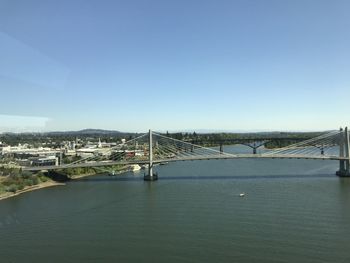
<point>165,65</point>
<point>199,131</point>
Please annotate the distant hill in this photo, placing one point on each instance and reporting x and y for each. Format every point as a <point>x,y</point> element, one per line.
<point>101,132</point>
<point>86,132</point>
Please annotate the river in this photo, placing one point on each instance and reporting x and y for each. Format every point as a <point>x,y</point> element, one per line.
<point>292,211</point>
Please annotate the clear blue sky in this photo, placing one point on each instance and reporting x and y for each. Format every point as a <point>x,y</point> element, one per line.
<point>174,65</point>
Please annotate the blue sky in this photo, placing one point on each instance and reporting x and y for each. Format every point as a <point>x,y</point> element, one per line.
<point>174,65</point>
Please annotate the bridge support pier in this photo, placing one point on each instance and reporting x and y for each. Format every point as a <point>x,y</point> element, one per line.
<point>344,148</point>
<point>150,176</point>
<point>60,159</point>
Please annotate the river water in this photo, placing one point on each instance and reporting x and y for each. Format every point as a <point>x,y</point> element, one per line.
<point>293,211</point>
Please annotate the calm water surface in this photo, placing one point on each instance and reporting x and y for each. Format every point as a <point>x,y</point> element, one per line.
<point>293,211</point>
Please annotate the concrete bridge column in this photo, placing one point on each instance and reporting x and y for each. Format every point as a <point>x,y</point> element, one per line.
<point>347,152</point>
<point>60,159</point>
<point>344,153</point>
<point>150,176</point>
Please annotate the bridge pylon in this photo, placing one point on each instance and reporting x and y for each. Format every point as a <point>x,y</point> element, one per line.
<point>344,152</point>
<point>150,176</point>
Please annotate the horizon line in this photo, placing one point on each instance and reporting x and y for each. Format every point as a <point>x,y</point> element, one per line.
<point>200,131</point>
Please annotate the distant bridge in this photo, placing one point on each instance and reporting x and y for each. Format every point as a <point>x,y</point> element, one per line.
<point>253,142</point>
<point>153,148</point>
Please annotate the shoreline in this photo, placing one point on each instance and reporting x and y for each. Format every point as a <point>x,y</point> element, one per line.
<point>7,195</point>
<point>76,177</point>
<point>47,184</point>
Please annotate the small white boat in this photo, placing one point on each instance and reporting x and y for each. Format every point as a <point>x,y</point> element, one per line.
<point>241,194</point>
<point>135,167</point>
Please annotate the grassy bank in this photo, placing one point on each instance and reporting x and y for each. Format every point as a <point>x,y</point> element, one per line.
<point>14,181</point>
<point>79,172</point>
<point>50,183</point>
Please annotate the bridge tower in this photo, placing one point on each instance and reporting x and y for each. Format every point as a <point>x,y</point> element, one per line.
<point>344,152</point>
<point>150,176</point>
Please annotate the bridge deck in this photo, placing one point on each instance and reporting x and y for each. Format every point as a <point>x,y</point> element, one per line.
<point>195,158</point>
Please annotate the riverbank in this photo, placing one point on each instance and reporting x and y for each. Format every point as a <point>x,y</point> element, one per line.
<point>52,182</point>
<point>26,189</point>
<point>119,170</point>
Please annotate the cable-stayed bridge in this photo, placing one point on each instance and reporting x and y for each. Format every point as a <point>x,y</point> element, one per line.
<point>152,148</point>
